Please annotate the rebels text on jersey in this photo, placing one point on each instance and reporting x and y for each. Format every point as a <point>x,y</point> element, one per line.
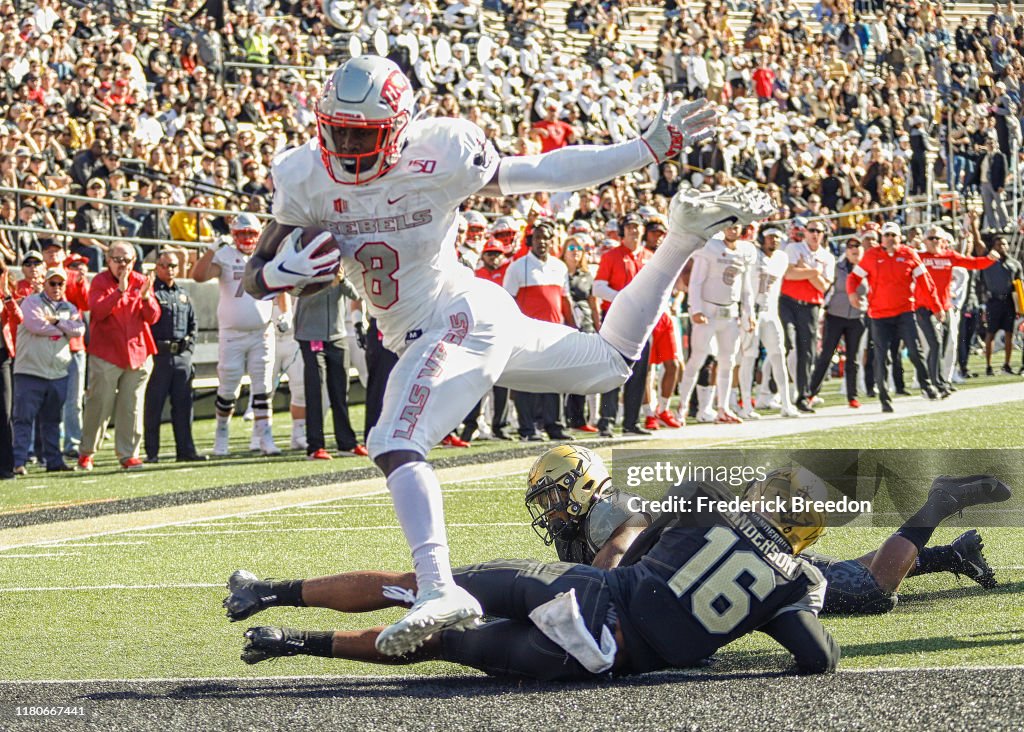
<point>701,587</point>
<point>396,233</point>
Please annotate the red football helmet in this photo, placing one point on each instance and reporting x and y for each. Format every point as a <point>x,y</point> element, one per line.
<point>245,231</point>
<point>362,117</point>
<point>476,226</point>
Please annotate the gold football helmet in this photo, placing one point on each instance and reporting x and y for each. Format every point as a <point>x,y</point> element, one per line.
<point>562,485</point>
<point>800,528</point>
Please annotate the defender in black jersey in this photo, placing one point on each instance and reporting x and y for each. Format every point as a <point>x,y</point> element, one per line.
<point>697,589</point>
<point>600,529</point>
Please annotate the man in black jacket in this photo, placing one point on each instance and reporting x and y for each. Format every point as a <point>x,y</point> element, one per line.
<point>993,185</point>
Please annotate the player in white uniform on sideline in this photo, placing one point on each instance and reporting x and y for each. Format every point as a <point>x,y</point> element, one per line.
<point>245,335</point>
<point>771,267</point>
<point>387,189</point>
<point>721,304</point>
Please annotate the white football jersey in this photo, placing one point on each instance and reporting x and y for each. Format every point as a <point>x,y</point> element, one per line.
<point>236,308</point>
<point>396,233</point>
<point>768,279</point>
<point>723,276</point>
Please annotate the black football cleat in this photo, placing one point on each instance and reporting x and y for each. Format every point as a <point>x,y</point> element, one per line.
<point>249,595</point>
<point>970,562</point>
<point>971,490</point>
<point>266,642</point>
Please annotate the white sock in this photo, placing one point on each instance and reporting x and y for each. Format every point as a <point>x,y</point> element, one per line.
<point>663,404</point>
<point>636,308</point>
<point>705,397</point>
<point>298,428</point>
<point>648,410</point>
<point>416,495</point>
<point>222,420</point>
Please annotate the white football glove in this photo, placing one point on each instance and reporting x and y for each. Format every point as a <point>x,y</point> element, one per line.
<point>669,133</point>
<point>296,268</point>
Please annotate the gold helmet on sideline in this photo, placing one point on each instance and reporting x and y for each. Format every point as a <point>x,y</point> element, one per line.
<point>562,485</point>
<point>800,529</point>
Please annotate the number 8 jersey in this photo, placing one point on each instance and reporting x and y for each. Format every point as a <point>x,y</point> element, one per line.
<point>396,233</point>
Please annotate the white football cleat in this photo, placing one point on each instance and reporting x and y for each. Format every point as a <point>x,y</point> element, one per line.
<point>748,413</point>
<point>790,411</point>
<point>266,442</point>
<point>706,416</point>
<point>443,608</point>
<point>769,401</point>
<point>220,441</point>
<point>705,214</point>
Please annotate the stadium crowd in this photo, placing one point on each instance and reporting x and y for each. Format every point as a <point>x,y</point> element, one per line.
<point>835,112</point>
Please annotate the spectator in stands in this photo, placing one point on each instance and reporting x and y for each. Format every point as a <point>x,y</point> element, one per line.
<point>76,291</point>
<point>993,174</point>
<point>540,285</point>
<point>320,329</point>
<point>587,315</point>
<point>120,357</point>
<point>175,336</point>
<point>41,371</point>
<point>32,272</point>
<point>94,218</point>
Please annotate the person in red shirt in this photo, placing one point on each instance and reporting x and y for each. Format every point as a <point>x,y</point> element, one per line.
<point>32,271</point>
<point>77,293</point>
<point>890,271</point>
<point>10,316</point>
<point>764,80</point>
<point>617,268</point>
<point>554,133</point>
<point>493,262</point>
<point>540,285</point>
<point>121,347</point>
<point>939,261</point>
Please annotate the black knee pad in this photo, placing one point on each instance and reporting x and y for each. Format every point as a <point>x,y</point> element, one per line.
<point>223,405</point>
<point>261,404</point>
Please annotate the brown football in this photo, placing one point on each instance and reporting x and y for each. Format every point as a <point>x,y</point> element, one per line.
<point>308,235</point>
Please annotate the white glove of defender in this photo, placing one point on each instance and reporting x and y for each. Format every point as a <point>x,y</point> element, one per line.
<point>669,133</point>
<point>292,268</point>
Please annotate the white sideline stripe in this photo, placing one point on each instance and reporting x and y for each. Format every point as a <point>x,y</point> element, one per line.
<point>37,556</point>
<point>90,588</point>
<point>424,677</point>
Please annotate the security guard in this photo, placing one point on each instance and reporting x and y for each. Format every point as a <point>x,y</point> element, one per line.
<point>175,336</point>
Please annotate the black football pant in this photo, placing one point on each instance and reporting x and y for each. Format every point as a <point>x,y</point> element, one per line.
<point>969,321</point>
<point>885,332</point>
<point>326,366</point>
<point>172,377</point>
<point>800,322</point>
<point>849,331</point>
<point>6,429</point>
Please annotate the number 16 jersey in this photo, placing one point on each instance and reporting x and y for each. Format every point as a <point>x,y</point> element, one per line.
<point>396,233</point>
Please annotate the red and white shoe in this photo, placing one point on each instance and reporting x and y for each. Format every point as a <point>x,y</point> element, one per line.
<point>589,428</point>
<point>320,454</point>
<point>667,419</point>
<point>357,451</point>
<point>854,404</point>
<point>651,423</point>
<point>726,417</point>
<point>453,441</point>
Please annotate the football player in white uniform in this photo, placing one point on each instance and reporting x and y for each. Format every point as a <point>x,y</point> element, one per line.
<point>245,335</point>
<point>387,188</point>
<point>771,267</point>
<point>721,303</point>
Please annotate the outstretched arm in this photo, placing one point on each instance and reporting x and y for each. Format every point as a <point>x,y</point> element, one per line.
<point>580,166</point>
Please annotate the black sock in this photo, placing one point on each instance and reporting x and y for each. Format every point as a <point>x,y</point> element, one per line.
<point>289,592</point>
<point>932,559</point>
<point>919,527</point>
<point>317,643</point>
